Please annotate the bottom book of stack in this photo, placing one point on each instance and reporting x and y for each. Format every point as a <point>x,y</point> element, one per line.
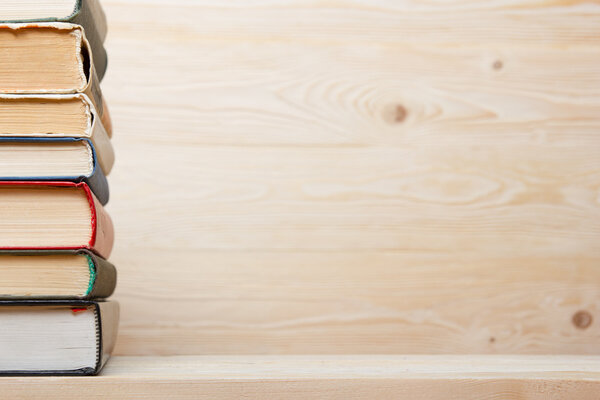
<point>52,321</point>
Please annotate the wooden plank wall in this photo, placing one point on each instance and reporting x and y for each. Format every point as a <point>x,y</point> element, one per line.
<point>354,176</point>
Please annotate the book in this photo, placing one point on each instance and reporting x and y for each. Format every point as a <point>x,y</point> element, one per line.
<point>87,13</point>
<point>40,337</point>
<point>55,274</point>
<point>62,115</point>
<point>48,58</point>
<point>53,215</point>
<point>56,159</point>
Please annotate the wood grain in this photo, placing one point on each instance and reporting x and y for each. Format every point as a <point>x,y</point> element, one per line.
<point>321,377</point>
<point>356,177</point>
<point>337,302</point>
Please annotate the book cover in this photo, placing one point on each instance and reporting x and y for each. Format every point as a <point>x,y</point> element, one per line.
<point>90,15</point>
<point>95,234</point>
<point>24,343</point>
<point>56,115</point>
<point>52,58</point>
<point>96,180</point>
<point>100,284</point>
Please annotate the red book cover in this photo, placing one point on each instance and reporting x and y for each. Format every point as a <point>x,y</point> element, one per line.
<point>101,238</point>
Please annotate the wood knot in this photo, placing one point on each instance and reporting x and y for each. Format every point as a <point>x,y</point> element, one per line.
<point>582,319</point>
<point>395,114</point>
<point>497,65</point>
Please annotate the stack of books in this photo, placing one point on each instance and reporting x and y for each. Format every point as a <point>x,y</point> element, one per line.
<point>55,153</point>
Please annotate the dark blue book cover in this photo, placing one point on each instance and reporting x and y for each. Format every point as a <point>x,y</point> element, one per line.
<point>96,180</point>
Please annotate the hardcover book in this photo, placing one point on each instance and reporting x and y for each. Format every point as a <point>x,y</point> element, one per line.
<point>48,58</point>
<point>40,337</point>
<point>55,274</point>
<point>63,115</point>
<point>53,215</point>
<point>56,159</point>
<point>87,13</point>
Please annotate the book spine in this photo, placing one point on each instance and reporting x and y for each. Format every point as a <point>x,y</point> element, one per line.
<point>97,180</point>
<point>106,120</point>
<point>93,91</point>
<point>105,279</point>
<point>92,88</point>
<point>101,141</point>
<point>102,227</point>
<point>99,185</point>
<point>108,318</point>
<point>91,17</point>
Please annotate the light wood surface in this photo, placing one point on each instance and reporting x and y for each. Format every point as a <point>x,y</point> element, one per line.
<point>322,377</point>
<point>356,177</point>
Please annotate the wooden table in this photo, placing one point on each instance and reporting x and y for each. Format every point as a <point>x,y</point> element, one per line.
<point>325,377</point>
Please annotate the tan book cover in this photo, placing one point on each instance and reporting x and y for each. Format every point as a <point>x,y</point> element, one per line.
<point>87,13</point>
<point>40,58</point>
<point>60,116</point>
